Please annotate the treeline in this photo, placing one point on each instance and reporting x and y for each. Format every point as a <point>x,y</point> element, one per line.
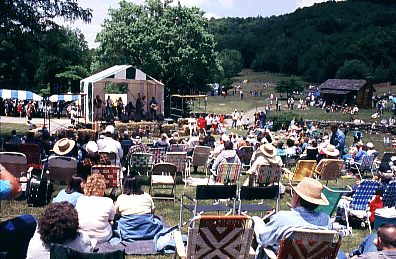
<point>353,39</point>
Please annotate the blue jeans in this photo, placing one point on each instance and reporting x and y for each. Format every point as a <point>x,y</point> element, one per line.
<point>15,235</point>
<point>367,246</point>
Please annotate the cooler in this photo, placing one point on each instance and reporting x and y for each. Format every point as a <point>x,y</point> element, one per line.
<point>385,215</point>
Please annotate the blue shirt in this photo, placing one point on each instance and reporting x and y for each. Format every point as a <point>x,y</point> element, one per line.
<point>272,233</point>
<point>338,140</point>
<point>5,189</point>
<point>70,197</point>
<point>359,155</point>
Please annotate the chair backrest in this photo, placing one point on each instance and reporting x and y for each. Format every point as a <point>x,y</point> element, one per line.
<point>386,158</point>
<point>179,159</point>
<point>58,251</point>
<point>312,153</point>
<point>363,194</point>
<point>32,152</point>
<point>309,244</point>
<point>61,168</point>
<point>304,168</point>
<point>228,173</point>
<point>333,196</point>
<point>292,160</point>
<point>210,192</point>
<point>178,148</point>
<point>200,155</point>
<point>220,237</point>
<point>331,169</point>
<point>112,156</point>
<point>367,162</point>
<point>269,174</point>
<point>14,162</point>
<point>389,197</point>
<point>110,172</point>
<point>245,154</point>
<point>158,154</point>
<point>257,193</point>
<point>164,169</point>
<point>10,147</point>
<point>126,145</point>
<point>141,162</point>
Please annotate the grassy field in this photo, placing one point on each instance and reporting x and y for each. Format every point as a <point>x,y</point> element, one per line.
<point>216,104</point>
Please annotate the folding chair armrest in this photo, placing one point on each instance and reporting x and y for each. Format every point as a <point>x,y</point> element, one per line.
<point>188,197</point>
<point>349,190</point>
<point>286,170</point>
<point>180,249</point>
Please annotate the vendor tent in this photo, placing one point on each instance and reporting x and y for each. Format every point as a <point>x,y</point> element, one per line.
<point>64,98</point>
<point>137,82</point>
<point>20,95</point>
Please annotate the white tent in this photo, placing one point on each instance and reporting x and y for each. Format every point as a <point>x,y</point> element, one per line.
<point>20,95</point>
<point>137,81</point>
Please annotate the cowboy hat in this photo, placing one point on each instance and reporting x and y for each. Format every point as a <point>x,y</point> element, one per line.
<point>64,146</point>
<point>331,150</point>
<point>268,150</point>
<point>310,190</point>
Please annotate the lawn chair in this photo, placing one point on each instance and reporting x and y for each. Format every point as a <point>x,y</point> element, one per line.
<point>180,160</point>
<point>61,169</point>
<point>217,237</point>
<point>112,173</point>
<point>209,192</point>
<point>389,197</point>
<point>112,156</point>
<point>16,164</point>
<point>304,168</point>
<point>141,163</point>
<point>333,196</point>
<point>126,145</point>
<point>33,155</point>
<point>158,154</point>
<point>329,169</point>
<point>163,174</point>
<point>386,142</point>
<point>58,251</point>
<point>245,154</point>
<point>364,166</point>
<point>383,165</point>
<point>200,157</point>
<point>307,243</point>
<point>292,160</point>
<point>178,148</point>
<point>360,201</point>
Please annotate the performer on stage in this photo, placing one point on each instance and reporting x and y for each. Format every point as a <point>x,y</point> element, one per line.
<point>120,108</point>
<point>97,109</point>
<point>109,106</point>
<point>153,108</point>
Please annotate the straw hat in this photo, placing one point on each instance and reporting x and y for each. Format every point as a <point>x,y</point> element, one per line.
<point>64,146</point>
<point>269,151</point>
<point>310,190</point>
<point>331,150</point>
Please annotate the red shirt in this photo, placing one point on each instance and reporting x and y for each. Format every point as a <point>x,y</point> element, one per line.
<point>201,122</point>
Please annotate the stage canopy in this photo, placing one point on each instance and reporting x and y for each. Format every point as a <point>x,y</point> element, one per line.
<point>137,82</point>
<point>20,95</point>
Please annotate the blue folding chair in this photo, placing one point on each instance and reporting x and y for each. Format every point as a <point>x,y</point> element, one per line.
<point>389,197</point>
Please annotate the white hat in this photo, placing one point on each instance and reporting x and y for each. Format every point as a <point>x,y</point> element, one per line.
<point>110,129</point>
<point>63,146</point>
<point>370,145</point>
<point>91,147</point>
<point>331,150</point>
<point>126,133</point>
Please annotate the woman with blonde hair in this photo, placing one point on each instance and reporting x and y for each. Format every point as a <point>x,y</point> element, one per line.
<point>95,212</point>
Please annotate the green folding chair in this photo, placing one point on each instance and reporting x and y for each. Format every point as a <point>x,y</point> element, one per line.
<point>333,196</point>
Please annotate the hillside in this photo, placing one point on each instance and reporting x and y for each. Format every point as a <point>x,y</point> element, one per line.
<point>327,40</point>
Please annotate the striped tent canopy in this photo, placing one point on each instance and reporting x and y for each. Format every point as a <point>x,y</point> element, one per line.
<point>64,98</point>
<point>20,95</point>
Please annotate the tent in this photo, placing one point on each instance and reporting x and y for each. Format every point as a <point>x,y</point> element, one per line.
<point>64,98</point>
<point>137,82</point>
<point>20,95</point>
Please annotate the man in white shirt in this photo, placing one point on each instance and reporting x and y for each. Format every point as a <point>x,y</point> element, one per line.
<point>108,144</point>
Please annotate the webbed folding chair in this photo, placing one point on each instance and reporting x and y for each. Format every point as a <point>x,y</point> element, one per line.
<point>141,163</point>
<point>112,173</point>
<point>178,148</point>
<point>329,169</point>
<point>307,243</point>
<point>360,201</point>
<point>158,154</point>
<point>16,164</point>
<point>33,155</point>
<point>245,154</point>
<point>389,197</point>
<point>126,145</point>
<point>364,166</point>
<point>333,195</point>
<point>112,156</point>
<point>61,169</point>
<point>180,160</point>
<point>217,237</point>
<point>304,168</point>
<point>200,157</point>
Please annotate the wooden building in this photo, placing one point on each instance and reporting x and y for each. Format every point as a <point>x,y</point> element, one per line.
<point>348,91</point>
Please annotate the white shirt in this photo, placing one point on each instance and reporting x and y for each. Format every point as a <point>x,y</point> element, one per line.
<point>193,141</point>
<point>94,214</point>
<point>108,144</point>
<point>209,120</point>
<point>192,123</point>
<point>38,250</point>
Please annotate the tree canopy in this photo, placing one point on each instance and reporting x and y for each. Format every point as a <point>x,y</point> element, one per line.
<point>289,87</point>
<point>169,43</point>
<point>231,62</point>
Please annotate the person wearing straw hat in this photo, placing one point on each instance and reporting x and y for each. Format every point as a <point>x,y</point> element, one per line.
<point>65,147</point>
<point>266,155</point>
<point>330,152</point>
<point>307,196</point>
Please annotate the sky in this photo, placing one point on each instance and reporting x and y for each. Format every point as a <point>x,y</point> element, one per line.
<point>212,8</point>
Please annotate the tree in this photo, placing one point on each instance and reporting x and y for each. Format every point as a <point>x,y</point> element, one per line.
<point>169,43</point>
<point>353,69</point>
<point>289,87</point>
<point>231,62</point>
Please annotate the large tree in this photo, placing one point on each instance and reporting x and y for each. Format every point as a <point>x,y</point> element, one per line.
<point>289,87</point>
<point>170,43</point>
<point>231,61</point>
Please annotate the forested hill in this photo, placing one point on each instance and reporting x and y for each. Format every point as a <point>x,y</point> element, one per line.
<point>352,39</point>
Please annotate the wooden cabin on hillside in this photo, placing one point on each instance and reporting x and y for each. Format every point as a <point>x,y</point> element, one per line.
<point>348,91</point>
